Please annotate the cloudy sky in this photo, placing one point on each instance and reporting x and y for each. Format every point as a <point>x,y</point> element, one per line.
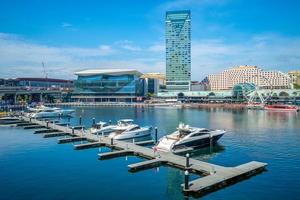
<point>73,35</point>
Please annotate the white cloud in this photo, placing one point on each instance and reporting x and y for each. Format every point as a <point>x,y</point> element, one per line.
<point>160,48</point>
<point>19,57</point>
<point>128,45</point>
<point>66,25</point>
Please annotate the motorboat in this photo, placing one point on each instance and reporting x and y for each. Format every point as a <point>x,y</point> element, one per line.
<point>102,128</point>
<point>282,107</point>
<point>255,106</point>
<point>188,137</point>
<point>44,112</point>
<point>126,130</point>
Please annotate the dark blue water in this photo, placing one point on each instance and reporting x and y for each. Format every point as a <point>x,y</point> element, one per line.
<point>32,167</point>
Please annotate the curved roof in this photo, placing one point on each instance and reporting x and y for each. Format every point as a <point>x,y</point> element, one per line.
<point>90,72</point>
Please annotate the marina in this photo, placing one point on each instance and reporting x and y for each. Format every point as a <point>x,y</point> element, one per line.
<point>116,162</point>
<point>215,176</point>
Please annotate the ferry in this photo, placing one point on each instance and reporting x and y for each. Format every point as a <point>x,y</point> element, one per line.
<point>281,107</point>
<point>188,137</point>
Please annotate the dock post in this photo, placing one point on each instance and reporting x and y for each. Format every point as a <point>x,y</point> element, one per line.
<point>94,121</point>
<point>111,141</point>
<point>187,163</point>
<point>29,119</point>
<point>73,131</point>
<point>186,180</point>
<point>210,143</point>
<point>47,124</point>
<point>155,135</point>
<point>80,120</point>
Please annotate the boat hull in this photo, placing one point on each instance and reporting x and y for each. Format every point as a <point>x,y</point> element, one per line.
<point>131,134</point>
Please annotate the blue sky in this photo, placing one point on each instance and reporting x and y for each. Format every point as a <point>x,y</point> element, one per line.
<point>74,35</point>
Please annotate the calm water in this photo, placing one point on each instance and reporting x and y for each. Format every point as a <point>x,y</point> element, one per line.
<point>32,167</point>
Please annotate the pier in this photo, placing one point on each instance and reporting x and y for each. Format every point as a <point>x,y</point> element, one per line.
<point>214,176</point>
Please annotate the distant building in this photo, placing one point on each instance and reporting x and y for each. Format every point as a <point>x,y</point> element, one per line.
<point>153,82</point>
<point>34,83</point>
<point>295,76</point>
<point>249,74</point>
<point>178,50</point>
<point>198,86</point>
<point>108,85</point>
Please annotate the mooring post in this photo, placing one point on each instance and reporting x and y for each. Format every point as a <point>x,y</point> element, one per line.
<point>29,119</point>
<point>111,141</point>
<point>186,180</point>
<point>210,142</point>
<point>155,135</point>
<point>47,124</point>
<point>187,163</point>
<point>80,120</point>
<point>94,121</point>
<point>73,131</point>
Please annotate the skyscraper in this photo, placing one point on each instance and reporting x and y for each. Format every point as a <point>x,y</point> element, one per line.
<point>178,50</point>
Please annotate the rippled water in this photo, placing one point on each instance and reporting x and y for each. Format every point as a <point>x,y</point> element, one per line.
<point>32,167</point>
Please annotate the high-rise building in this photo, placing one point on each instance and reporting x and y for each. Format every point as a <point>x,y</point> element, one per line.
<point>227,79</point>
<point>178,50</point>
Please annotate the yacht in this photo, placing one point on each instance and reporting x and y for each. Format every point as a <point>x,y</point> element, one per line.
<point>43,112</point>
<point>102,128</point>
<point>188,137</point>
<point>126,130</point>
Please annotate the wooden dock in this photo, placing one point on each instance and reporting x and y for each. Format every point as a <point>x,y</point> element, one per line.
<point>215,176</point>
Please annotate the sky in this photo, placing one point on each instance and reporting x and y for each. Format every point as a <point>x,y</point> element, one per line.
<point>69,35</point>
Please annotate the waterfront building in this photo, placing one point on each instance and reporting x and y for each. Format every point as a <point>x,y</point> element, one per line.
<point>178,50</point>
<point>153,82</point>
<point>40,83</point>
<point>249,74</point>
<point>108,85</point>
<point>198,86</point>
<point>295,76</point>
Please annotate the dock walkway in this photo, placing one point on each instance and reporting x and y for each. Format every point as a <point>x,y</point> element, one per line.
<point>215,176</point>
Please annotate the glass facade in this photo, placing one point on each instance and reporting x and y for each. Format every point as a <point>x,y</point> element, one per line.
<point>178,50</point>
<point>109,86</point>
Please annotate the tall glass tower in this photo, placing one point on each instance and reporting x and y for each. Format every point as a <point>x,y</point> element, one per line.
<point>178,50</point>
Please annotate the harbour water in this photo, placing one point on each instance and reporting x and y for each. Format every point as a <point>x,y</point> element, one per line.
<point>32,167</point>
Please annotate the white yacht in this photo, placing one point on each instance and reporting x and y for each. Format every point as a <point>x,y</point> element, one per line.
<point>43,112</point>
<point>189,137</point>
<point>102,128</point>
<point>126,130</point>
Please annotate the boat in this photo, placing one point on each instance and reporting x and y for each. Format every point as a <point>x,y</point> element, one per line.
<point>126,130</point>
<point>188,137</point>
<point>255,106</point>
<point>102,128</point>
<point>43,112</point>
<point>282,107</point>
